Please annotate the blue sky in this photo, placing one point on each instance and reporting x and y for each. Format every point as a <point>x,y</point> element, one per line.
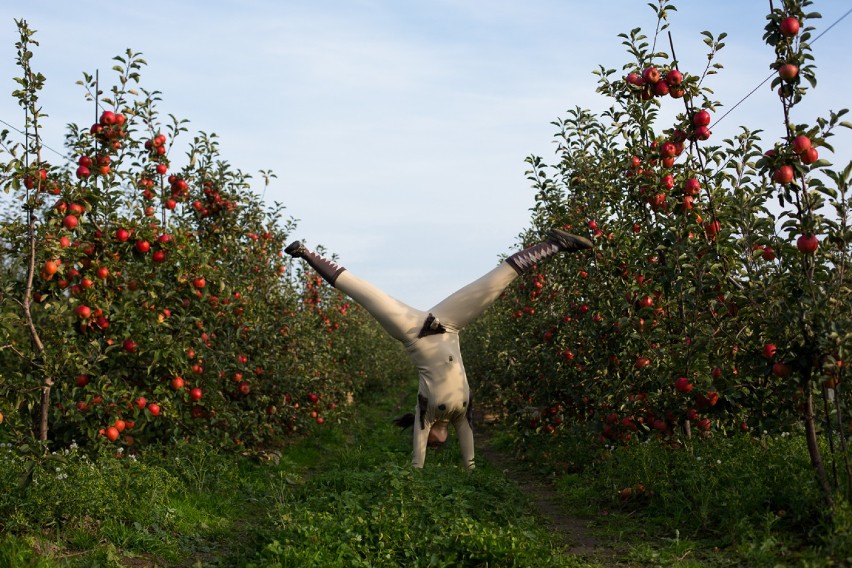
<point>398,130</point>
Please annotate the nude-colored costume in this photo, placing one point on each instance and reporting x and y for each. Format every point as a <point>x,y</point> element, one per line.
<point>431,338</point>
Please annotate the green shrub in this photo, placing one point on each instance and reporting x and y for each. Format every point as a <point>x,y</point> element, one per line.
<point>739,491</point>
<point>71,489</point>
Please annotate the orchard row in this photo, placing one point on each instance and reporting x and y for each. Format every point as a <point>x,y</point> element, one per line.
<point>151,302</point>
<point>717,298</point>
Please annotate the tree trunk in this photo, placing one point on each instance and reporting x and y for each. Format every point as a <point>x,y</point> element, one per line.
<point>38,346</point>
<point>813,447</point>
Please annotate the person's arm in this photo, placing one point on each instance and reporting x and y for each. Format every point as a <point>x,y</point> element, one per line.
<point>465,434</point>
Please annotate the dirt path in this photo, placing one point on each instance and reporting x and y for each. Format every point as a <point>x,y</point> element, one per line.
<point>573,531</point>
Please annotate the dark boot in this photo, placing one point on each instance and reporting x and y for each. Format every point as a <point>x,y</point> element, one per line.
<point>326,268</point>
<point>557,241</point>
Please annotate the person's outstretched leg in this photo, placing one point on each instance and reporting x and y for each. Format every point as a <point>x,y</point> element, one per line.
<point>465,305</point>
<point>464,430</point>
<point>401,321</point>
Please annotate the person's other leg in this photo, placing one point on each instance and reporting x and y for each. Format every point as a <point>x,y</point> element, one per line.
<point>465,305</point>
<point>401,321</point>
<point>468,303</point>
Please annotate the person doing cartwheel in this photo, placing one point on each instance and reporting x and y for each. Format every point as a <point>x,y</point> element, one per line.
<point>431,338</point>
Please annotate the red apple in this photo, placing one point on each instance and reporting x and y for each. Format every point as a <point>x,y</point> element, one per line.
<point>789,26</point>
<point>651,75</point>
<point>769,350</point>
<point>107,118</point>
<point>701,118</point>
<point>809,156</point>
<point>195,394</point>
<point>780,370</point>
<point>122,235</point>
<point>801,143</point>
<point>83,312</point>
<point>712,228</point>
<point>142,246</point>
<point>692,187</point>
<point>683,385</point>
<point>178,383</point>
<point>660,89</point>
<point>154,409</point>
<point>702,133</point>
<point>111,433</point>
<point>674,78</point>
<point>783,174</point>
<point>70,222</point>
<point>807,244</point>
<point>788,71</point>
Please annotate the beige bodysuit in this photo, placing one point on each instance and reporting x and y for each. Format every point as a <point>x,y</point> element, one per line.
<point>431,338</point>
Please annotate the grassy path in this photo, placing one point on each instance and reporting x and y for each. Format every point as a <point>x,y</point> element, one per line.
<point>337,497</point>
<point>359,503</point>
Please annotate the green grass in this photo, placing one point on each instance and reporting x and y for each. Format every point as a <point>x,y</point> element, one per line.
<point>347,496</point>
<point>338,497</point>
<point>719,501</point>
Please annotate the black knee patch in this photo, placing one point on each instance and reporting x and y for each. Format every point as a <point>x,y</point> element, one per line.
<point>422,404</point>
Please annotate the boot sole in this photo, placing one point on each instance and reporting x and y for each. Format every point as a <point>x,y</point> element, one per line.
<point>570,242</point>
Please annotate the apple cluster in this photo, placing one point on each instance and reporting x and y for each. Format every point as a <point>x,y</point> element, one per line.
<point>101,164</point>
<point>213,202</point>
<point>110,130</point>
<point>788,70</point>
<point>780,160</point>
<point>653,83</point>
<point>156,147</point>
